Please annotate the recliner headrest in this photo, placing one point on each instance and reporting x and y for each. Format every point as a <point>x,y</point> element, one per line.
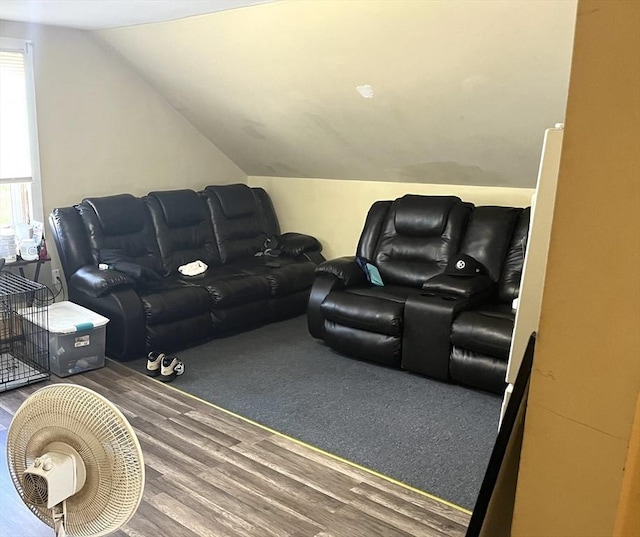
<point>235,200</point>
<point>181,208</point>
<point>421,216</point>
<point>121,214</point>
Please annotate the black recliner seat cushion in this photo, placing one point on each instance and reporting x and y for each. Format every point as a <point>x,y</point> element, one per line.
<point>366,322</point>
<point>289,276</point>
<point>226,286</point>
<point>237,290</point>
<point>485,331</point>
<point>176,314</point>
<point>478,370</point>
<point>375,309</point>
<point>369,346</point>
<point>174,301</point>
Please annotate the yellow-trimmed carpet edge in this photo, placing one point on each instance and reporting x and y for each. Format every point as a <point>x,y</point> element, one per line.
<point>308,446</point>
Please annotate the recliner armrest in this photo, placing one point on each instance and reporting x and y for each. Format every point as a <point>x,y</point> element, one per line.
<point>462,287</point>
<point>344,269</point>
<point>96,283</point>
<point>331,275</point>
<point>295,244</point>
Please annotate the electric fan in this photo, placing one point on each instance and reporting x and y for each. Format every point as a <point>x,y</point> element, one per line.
<point>75,461</point>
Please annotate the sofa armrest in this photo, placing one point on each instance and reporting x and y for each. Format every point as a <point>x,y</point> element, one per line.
<point>126,329</point>
<point>94,282</point>
<point>344,269</point>
<point>480,285</point>
<point>295,244</point>
<point>331,275</point>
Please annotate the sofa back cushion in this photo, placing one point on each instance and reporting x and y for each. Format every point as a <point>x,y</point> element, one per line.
<point>121,223</point>
<point>70,236</point>
<point>270,222</point>
<point>183,228</point>
<point>417,237</point>
<point>376,217</point>
<point>509,283</point>
<point>242,217</point>
<point>488,235</point>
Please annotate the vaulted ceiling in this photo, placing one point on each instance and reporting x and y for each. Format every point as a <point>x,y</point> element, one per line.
<point>433,91</point>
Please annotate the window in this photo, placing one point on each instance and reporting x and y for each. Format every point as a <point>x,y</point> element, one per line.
<point>20,191</point>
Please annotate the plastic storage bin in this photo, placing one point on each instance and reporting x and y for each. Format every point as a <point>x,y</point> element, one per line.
<point>76,339</point>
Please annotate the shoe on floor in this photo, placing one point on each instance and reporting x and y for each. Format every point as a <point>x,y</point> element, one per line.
<point>170,368</point>
<point>154,361</point>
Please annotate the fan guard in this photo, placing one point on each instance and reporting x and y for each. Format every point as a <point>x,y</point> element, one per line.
<point>106,443</point>
<point>35,489</point>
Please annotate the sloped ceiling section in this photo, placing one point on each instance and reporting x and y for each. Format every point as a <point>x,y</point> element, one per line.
<point>462,91</point>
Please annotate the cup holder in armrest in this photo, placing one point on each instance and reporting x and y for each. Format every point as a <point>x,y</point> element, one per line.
<point>448,298</point>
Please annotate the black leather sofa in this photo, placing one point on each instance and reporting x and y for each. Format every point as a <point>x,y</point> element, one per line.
<point>424,319</point>
<point>143,242</point>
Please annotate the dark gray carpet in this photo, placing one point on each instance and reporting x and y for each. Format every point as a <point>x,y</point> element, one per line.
<point>430,435</point>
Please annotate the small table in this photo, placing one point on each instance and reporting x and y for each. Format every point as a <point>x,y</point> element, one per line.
<point>21,263</point>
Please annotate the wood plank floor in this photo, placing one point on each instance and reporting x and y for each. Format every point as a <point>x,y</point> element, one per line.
<point>211,473</point>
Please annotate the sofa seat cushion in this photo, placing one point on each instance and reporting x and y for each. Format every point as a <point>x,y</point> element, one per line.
<point>477,370</point>
<point>174,301</point>
<point>486,331</point>
<point>374,309</point>
<point>237,290</point>
<point>227,286</point>
<point>290,276</point>
<point>363,344</point>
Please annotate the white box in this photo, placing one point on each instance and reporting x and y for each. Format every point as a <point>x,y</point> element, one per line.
<point>76,339</point>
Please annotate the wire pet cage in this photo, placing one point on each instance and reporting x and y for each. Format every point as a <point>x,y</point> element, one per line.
<point>24,344</point>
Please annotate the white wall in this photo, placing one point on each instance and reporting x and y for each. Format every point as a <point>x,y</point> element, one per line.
<point>334,211</point>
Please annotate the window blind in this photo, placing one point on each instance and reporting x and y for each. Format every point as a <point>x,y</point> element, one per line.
<point>15,151</point>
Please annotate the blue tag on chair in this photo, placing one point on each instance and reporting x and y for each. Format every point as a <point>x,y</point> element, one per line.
<point>373,274</point>
<point>371,271</point>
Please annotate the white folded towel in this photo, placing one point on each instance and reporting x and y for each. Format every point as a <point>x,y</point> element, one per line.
<point>193,269</point>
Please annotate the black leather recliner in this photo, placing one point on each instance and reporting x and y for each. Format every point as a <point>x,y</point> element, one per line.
<point>408,322</point>
<point>153,306</point>
<point>481,337</point>
<point>409,240</point>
